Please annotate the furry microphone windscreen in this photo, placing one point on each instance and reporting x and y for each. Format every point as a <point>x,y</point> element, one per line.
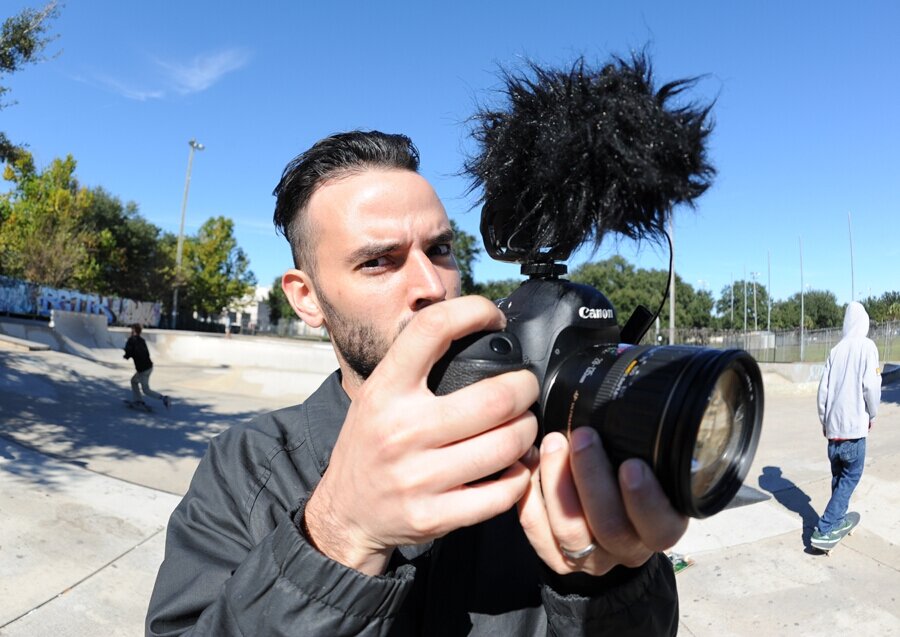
<point>579,153</point>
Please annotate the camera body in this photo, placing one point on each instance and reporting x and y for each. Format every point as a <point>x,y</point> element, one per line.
<point>547,320</point>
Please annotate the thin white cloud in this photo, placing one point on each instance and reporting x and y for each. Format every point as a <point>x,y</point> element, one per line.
<point>182,78</point>
<point>131,92</point>
<point>203,71</point>
<point>111,84</point>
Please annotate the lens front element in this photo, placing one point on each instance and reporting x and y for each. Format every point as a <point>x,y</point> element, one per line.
<point>719,434</point>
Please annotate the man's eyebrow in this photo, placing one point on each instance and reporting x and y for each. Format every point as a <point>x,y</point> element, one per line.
<point>444,237</point>
<point>372,251</point>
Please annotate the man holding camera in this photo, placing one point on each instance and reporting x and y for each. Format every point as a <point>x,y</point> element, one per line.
<point>365,510</point>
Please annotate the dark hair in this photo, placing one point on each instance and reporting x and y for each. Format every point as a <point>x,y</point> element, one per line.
<point>137,328</point>
<point>335,156</point>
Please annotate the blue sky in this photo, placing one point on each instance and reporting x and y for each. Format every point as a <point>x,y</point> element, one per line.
<point>806,112</point>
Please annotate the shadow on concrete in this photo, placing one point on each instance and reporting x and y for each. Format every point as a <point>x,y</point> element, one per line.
<point>792,498</point>
<point>76,412</point>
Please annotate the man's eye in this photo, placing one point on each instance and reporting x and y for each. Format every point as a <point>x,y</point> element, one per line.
<point>441,250</point>
<point>380,262</point>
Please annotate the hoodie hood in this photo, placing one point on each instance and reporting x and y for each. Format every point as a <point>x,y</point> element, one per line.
<point>856,320</point>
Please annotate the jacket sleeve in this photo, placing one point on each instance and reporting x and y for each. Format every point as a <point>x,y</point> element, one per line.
<point>822,395</point>
<point>641,602</point>
<point>871,382</point>
<point>221,577</point>
<point>129,348</point>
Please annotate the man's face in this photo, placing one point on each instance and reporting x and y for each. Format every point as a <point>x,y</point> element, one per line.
<point>383,252</point>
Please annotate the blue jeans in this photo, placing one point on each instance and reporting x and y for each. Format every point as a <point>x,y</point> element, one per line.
<point>847,459</point>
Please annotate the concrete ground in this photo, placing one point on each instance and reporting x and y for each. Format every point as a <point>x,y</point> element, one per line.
<point>87,485</point>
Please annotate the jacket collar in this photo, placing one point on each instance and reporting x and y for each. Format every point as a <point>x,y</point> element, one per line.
<point>326,410</point>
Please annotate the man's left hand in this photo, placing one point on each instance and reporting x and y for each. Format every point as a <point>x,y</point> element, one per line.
<point>575,500</point>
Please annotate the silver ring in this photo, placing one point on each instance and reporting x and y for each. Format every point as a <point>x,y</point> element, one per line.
<point>577,555</point>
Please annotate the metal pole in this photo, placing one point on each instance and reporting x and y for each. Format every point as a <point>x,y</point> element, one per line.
<point>769,290</point>
<point>755,313</point>
<point>769,306</point>
<point>745,307</point>
<point>801,298</point>
<point>187,185</point>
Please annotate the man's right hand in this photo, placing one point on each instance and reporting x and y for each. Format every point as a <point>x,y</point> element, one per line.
<point>404,467</point>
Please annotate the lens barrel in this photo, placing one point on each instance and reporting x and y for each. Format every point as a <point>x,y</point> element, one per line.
<point>693,414</point>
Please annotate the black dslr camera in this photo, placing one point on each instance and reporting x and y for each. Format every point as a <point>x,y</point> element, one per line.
<point>693,414</point>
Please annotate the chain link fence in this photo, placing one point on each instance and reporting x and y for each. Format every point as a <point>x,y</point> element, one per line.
<point>788,346</point>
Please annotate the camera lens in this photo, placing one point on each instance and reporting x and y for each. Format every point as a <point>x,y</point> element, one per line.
<point>718,435</point>
<point>693,414</point>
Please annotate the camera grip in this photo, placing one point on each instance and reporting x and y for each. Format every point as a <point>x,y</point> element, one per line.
<point>474,357</point>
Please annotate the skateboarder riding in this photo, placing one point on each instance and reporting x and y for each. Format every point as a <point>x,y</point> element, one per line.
<point>136,349</point>
<point>848,398</point>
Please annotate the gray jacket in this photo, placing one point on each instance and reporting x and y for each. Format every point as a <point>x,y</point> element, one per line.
<point>850,388</point>
<point>236,562</point>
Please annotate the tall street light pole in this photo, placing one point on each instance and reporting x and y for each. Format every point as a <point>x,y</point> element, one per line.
<point>769,292</point>
<point>802,317</point>
<point>195,145</point>
<point>755,313</point>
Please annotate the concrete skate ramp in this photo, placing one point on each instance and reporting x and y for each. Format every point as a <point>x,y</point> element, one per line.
<point>245,365</point>
<point>88,336</point>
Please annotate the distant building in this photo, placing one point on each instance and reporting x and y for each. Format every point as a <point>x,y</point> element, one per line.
<point>250,315</point>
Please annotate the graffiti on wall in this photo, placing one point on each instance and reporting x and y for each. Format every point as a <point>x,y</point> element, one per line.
<point>20,297</point>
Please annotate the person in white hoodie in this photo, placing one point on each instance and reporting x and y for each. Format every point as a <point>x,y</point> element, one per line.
<point>848,398</point>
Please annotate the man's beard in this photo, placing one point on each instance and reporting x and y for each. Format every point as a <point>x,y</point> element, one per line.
<point>358,342</point>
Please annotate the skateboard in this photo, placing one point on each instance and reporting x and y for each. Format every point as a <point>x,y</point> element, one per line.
<point>679,562</point>
<point>853,518</point>
<point>138,406</point>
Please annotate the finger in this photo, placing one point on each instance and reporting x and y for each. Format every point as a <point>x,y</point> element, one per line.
<point>561,497</point>
<point>428,335</point>
<point>480,456</point>
<point>481,406</point>
<point>657,523</point>
<point>601,499</point>
<point>533,513</point>
<point>474,503</point>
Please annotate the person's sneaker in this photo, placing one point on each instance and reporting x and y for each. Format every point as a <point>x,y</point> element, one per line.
<point>166,401</point>
<point>843,526</point>
<point>832,536</point>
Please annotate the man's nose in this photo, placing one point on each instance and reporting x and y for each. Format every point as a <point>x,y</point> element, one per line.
<point>425,283</point>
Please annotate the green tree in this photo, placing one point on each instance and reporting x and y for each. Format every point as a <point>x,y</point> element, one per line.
<point>216,270</point>
<point>465,251</point>
<point>757,313</point>
<point>820,310</point>
<point>279,307</point>
<point>23,38</point>
<point>43,238</point>
<point>128,255</point>
<point>883,308</point>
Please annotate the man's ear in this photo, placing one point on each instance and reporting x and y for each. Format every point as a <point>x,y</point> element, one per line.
<point>301,294</point>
